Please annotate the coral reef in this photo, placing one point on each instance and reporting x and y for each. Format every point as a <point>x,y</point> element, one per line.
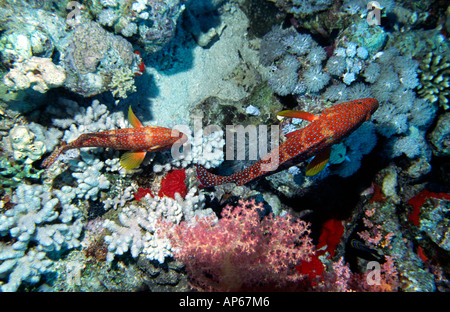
<point>88,176</point>
<point>301,8</point>
<point>96,61</point>
<point>373,38</point>
<point>205,150</point>
<point>87,224</point>
<point>283,50</point>
<point>434,223</point>
<point>440,136</point>
<point>151,23</point>
<point>24,145</point>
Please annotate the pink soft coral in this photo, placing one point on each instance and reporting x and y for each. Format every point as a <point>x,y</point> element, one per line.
<point>242,251</point>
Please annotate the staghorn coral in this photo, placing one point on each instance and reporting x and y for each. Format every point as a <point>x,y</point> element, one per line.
<point>21,267</point>
<point>205,150</point>
<point>241,251</point>
<point>89,178</point>
<point>434,74</point>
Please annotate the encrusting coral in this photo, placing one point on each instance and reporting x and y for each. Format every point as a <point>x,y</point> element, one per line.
<point>37,73</point>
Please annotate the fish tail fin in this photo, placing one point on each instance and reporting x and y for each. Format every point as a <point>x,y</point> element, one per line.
<point>208,179</point>
<point>54,156</point>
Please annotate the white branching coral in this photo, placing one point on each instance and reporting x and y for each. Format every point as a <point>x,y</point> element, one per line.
<point>42,222</point>
<point>205,150</point>
<point>138,225</point>
<point>89,177</point>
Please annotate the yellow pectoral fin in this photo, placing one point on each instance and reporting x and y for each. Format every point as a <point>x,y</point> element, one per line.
<point>132,119</point>
<point>132,159</point>
<point>318,162</point>
<point>298,114</point>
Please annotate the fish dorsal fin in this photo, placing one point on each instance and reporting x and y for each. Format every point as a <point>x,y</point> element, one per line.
<point>298,114</point>
<point>318,162</point>
<point>133,120</point>
<point>132,159</point>
<point>290,134</point>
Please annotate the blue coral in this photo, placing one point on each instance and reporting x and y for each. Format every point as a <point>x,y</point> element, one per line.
<point>274,45</point>
<point>358,144</point>
<point>422,113</point>
<point>298,44</point>
<point>358,91</point>
<point>284,79</point>
<point>348,78</point>
<point>336,92</point>
<point>386,83</point>
<point>372,72</point>
<point>303,7</point>
<point>315,79</point>
<point>336,65</point>
<point>316,55</point>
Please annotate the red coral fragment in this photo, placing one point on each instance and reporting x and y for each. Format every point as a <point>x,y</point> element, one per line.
<point>421,254</point>
<point>417,201</point>
<point>141,65</point>
<point>141,192</point>
<point>173,183</point>
<point>378,195</point>
<point>330,236</point>
<point>311,268</point>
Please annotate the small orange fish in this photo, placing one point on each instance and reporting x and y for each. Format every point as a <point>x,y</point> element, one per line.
<point>138,140</point>
<point>316,139</point>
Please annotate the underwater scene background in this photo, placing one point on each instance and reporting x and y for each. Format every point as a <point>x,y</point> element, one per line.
<point>132,133</point>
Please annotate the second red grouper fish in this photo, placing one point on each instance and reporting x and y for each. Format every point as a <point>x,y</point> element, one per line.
<point>330,127</point>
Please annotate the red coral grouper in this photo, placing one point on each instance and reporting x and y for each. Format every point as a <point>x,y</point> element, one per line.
<point>316,139</point>
<point>138,140</point>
